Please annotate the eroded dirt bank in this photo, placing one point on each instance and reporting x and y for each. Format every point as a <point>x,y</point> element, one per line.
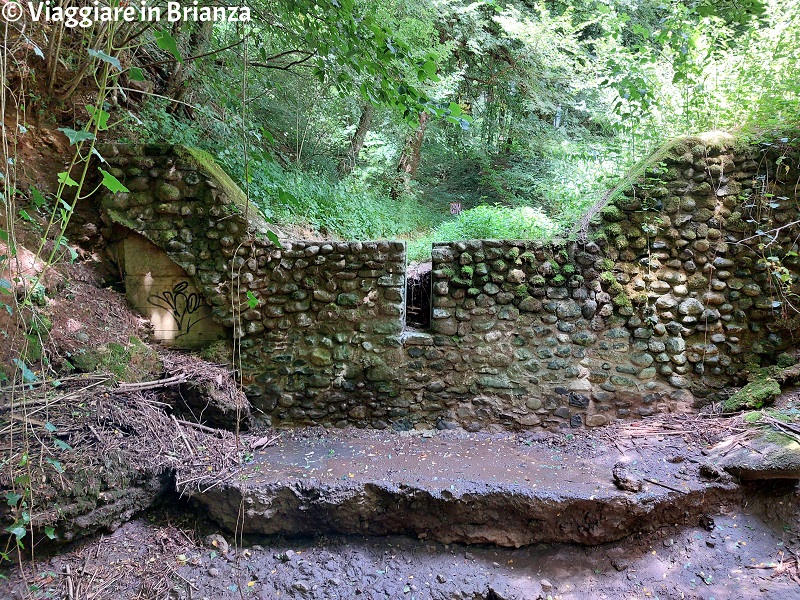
<point>454,486</point>
<point>748,552</point>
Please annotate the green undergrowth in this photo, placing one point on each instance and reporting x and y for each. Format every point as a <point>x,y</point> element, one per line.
<point>131,362</point>
<point>290,194</point>
<point>487,222</point>
<point>339,209</point>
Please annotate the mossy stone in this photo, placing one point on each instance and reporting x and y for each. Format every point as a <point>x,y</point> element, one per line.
<point>754,395</point>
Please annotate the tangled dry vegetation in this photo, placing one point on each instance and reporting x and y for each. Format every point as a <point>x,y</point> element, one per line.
<point>87,454</point>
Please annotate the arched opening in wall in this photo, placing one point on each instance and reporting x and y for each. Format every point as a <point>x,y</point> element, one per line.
<point>418,296</point>
<point>163,292</point>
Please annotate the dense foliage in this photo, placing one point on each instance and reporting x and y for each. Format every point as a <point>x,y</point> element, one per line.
<point>361,119</point>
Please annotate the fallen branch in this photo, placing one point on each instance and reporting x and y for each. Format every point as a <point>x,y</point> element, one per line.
<point>149,385</point>
<point>200,427</point>
<point>183,436</point>
<point>654,482</point>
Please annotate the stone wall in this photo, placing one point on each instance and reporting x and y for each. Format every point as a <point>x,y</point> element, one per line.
<point>323,341</point>
<point>669,295</point>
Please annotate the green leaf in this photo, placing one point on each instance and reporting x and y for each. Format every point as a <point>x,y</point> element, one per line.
<point>56,465</point>
<point>67,180</point>
<point>112,183</point>
<point>166,42</point>
<point>252,301</point>
<point>50,427</point>
<point>99,116</point>
<point>76,137</point>
<point>62,445</point>
<point>17,530</point>
<point>136,74</point>
<point>27,375</point>
<point>455,110</point>
<point>273,237</point>
<point>25,216</point>
<point>6,287</point>
<point>113,61</point>
<point>38,199</point>
<point>287,198</point>
<point>12,498</point>
<point>50,532</point>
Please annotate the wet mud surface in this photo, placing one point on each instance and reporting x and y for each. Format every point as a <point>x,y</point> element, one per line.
<point>744,554</point>
<point>727,543</point>
<point>453,486</point>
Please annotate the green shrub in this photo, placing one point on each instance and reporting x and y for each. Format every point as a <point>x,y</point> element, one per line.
<point>496,222</point>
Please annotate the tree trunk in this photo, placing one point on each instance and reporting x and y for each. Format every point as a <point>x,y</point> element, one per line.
<point>411,157</point>
<point>199,42</point>
<point>357,142</point>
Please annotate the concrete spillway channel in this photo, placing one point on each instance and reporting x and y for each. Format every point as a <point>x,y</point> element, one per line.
<point>458,487</point>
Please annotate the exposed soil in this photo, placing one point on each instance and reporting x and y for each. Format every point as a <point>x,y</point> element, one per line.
<point>86,313</point>
<point>455,486</point>
<point>746,549</point>
<point>746,553</point>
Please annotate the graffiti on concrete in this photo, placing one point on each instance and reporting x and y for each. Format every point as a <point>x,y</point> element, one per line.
<point>184,306</point>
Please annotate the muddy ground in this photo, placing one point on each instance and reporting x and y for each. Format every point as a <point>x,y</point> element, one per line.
<point>749,551</point>
<point>168,554</point>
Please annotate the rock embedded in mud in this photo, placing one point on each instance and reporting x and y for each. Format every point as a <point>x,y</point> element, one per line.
<point>625,480</point>
<point>215,540</point>
<point>619,559</point>
<point>773,456</point>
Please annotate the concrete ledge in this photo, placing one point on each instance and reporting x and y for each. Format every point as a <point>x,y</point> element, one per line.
<point>456,487</point>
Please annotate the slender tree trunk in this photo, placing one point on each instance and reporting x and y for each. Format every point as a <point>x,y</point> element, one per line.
<point>411,157</point>
<point>199,41</point>
<point>357,142</point>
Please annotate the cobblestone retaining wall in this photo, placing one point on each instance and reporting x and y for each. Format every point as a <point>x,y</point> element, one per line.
<point>669,295</point>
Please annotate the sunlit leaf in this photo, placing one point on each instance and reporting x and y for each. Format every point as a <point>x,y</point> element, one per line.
<point>76,137</point>
<point>113,61</point>
<point>99,116</point>
<point>252,301</point>
<point>166,42</point>
<point>112,183</point>
<point>67,180</point>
